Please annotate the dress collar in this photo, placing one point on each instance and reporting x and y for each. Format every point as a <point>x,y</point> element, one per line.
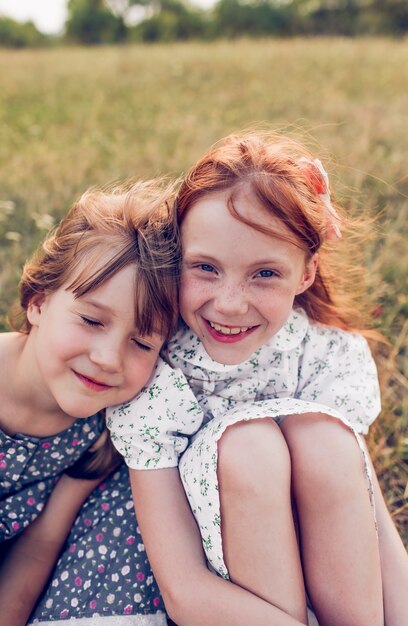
<point>292,333</point>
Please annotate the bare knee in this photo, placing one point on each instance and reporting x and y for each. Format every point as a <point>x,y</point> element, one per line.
<point>253,456</point>
<point>323,450</point>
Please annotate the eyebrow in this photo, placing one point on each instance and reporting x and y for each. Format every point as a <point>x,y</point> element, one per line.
<point>196,255</point>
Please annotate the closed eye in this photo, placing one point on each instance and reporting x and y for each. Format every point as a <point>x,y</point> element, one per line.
<point>142,346</point>
<point>90,322</point>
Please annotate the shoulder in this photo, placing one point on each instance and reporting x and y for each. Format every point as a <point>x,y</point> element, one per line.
<point>336,354</point>
<point>165,394</point>
<point>337,369</point>
<point>11,348</point>
<point>314,348</point>
<point>330,340</point>
<point>301,334</point>
<point>165,378</point>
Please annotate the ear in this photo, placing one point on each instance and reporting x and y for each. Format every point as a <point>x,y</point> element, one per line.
<point>34,308</point>
<point>309,274</point>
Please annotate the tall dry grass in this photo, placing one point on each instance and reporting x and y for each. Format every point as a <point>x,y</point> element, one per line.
<point>71,118</point>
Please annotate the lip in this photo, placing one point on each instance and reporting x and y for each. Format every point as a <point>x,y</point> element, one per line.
<point>91,383</point>
<point>221,338</point>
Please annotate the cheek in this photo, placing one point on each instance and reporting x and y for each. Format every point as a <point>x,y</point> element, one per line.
<point>65,342</point>
<point>139,372</point>
<point>272,312</point>
<point>277,305</point>
<point>192,294</point>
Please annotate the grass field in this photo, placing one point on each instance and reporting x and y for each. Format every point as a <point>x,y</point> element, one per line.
<point>71,118</point>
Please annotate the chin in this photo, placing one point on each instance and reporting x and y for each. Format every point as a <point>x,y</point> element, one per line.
<point>79,412</point>
<point>228,359</point>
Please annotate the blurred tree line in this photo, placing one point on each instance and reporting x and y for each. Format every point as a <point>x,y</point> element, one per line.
<point>92,22</point>
<point>16,35</point>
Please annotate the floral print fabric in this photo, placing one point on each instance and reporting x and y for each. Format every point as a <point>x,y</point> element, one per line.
<point>103,572</point>
<point>30,467</point>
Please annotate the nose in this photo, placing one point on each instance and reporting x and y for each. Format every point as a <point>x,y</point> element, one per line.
<point>231,300</point>
<point>106,353</point>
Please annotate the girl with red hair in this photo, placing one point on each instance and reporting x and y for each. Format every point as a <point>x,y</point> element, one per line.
<point>260,413</point>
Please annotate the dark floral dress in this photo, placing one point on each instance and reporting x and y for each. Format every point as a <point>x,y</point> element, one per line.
<point>103,575</point>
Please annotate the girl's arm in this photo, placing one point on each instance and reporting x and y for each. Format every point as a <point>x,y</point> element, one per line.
<point>192,594</point>
<point>29,561</point>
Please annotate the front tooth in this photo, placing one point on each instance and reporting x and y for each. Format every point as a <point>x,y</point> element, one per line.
<point>225,330</point>
<point>221,329</point>
<point>217,327</point>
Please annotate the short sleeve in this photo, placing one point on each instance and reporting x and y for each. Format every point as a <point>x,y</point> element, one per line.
<point>151,431</point>
<point>338,370</point>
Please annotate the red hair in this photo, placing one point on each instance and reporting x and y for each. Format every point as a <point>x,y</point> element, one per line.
<point>272,167</point>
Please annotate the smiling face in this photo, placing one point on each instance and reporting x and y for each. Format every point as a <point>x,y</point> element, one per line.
<point>87,350</point>
<point>238,285</point>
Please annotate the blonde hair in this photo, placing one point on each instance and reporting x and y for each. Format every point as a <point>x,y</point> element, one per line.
<point>102,233</point>
<point>272,167</point>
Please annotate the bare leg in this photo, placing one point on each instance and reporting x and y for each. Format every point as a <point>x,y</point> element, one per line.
<point>258,534</point>
<point>339,545</point>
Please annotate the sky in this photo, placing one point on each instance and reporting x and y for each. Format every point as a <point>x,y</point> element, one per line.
<point>48,15</point>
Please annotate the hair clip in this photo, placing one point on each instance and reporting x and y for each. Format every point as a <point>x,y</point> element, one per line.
<point>319,180</point>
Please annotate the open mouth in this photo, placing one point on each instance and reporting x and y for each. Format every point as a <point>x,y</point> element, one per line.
<point>228,334</point>
<point>230,330</point>
<point>91,383</point>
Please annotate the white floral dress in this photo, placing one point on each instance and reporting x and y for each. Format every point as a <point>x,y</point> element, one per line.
<point>180,416</point>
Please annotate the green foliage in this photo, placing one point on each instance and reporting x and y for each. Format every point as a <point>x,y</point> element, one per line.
<point>92,22</point>
<point>173,20</point>
<point>394,14</point>
<point>177,20</point>
<point>352,17</point>
<point>109,21</point>
<point>234,18</point>
<point>16,35</point>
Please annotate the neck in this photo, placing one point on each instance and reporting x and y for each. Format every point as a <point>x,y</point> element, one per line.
<point>26,405</point>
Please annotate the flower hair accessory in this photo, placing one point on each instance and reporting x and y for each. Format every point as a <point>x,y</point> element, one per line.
<point>319,181</point>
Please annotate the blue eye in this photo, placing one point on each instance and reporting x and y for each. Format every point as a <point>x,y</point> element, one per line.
<point>266,273</point>
<point>206,267</point>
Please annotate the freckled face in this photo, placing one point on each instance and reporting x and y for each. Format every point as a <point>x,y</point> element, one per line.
<point>87,350</point>
<point>238,285</point>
